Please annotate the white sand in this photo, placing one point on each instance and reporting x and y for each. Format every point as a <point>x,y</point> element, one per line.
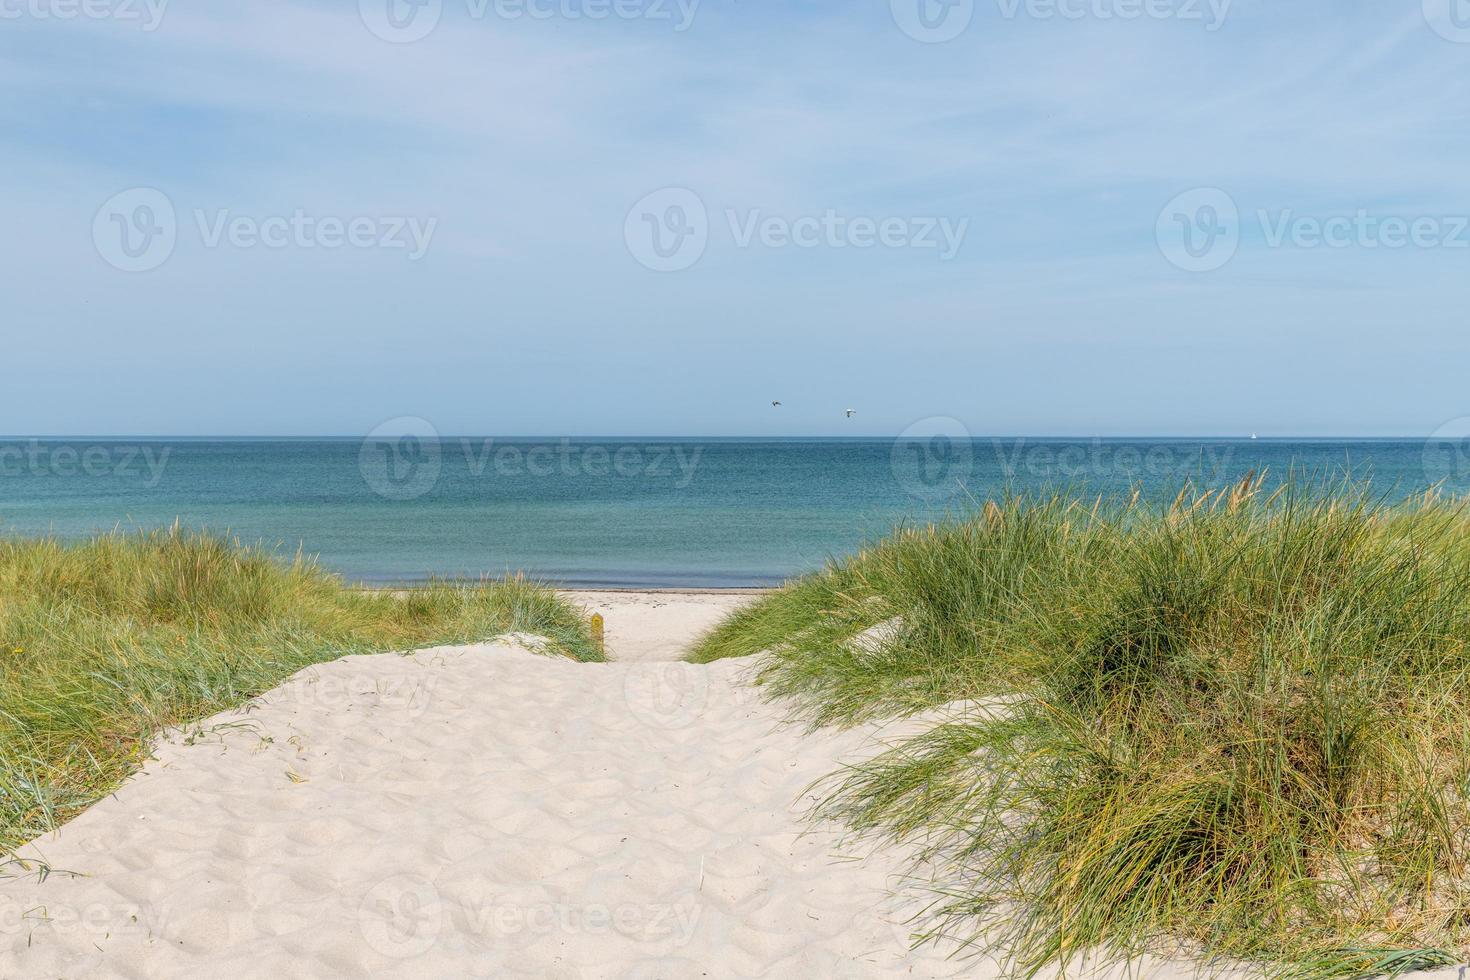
<point>644,626</point>
<point>478,811</point>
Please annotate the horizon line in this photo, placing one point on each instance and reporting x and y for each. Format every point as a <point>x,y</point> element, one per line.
<point>323,437</point>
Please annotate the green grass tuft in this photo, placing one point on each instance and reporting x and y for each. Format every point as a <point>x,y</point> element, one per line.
<point>1240,722</point>
<point>104,643</point>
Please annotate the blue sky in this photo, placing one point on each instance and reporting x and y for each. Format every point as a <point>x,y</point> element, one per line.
<point>1050,144</point>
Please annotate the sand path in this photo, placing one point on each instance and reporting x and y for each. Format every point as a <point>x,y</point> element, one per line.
<point>657,626</point>
<point>479,811</point>
<point>473,811</point>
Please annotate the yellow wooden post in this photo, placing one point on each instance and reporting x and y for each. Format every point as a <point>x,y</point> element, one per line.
<point>597,640</point>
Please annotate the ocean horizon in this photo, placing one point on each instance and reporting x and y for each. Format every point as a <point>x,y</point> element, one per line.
<point>624,511</point>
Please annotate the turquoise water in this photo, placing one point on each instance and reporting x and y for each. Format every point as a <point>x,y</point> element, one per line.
<point>613,512</point>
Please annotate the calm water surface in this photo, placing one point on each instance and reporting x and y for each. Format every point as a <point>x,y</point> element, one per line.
<point>613,511</point>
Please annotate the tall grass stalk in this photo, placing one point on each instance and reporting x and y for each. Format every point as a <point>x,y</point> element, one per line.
<point>104,643</point>
<point>1239,722</point>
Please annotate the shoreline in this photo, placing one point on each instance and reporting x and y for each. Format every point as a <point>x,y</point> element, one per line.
<point>595,590</point>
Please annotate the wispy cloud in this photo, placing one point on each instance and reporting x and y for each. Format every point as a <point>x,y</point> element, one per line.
<point>527,141</point>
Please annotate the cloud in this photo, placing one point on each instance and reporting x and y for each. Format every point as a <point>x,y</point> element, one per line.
<point>528,140</point>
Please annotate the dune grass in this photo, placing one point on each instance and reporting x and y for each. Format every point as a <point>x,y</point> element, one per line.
<point>1238,724</point>
<point>103,643</point>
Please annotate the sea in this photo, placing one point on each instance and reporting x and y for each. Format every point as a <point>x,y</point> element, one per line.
<point>627,512</point>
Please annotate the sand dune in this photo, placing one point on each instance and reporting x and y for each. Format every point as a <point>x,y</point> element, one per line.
<point>477,811</point>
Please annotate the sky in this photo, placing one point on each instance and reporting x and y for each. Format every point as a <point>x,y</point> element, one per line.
<point>656,217</point>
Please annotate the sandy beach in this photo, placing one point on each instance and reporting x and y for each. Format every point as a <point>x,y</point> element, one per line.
<point>480,811</point>
<point>473,811</point>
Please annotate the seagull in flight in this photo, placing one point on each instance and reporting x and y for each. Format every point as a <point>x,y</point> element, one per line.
<point>851,412</point>
<point>775,404</point>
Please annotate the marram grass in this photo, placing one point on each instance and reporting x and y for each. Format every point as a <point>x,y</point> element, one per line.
<point>1237,725</point>
<point>104,643</point>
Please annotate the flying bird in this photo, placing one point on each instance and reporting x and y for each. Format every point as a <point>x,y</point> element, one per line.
<point>775,404</point>
<point>851,412</point>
